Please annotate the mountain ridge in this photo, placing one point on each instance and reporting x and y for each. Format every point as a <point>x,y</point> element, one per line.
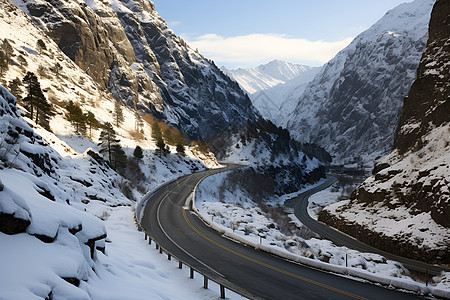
<point>353,104</point>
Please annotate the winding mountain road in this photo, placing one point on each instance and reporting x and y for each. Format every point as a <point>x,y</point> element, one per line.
<point>300,205</point>
<point>252,273</point>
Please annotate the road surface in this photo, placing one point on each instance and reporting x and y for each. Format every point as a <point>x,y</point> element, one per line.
<point>252,273</point>
<point>300,205</point>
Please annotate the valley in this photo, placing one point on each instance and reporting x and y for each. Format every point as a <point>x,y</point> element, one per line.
<point>267,182</point>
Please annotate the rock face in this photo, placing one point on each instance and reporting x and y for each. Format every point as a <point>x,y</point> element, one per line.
<point>272,153</point>
<point>428,105</point>
<point>412,183</point>
<point>352,106</point>
<point>128,49</point>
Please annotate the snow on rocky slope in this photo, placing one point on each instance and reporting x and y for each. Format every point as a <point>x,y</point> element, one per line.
<point>56,190</point>
<point>128,49</point>
<point>274,87</point>
<point>265,76</point>
<point>404,208</point>
<point>353,104</point>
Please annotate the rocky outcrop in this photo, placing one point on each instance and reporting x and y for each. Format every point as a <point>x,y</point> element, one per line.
<point>410,187</point>
<point>427,105</point>
<point>353,104</point>
<point>128,49</point>
<point>397,245</point>
<point>10,224</point>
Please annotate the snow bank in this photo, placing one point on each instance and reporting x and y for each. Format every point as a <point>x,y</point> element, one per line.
<point>221,216</point>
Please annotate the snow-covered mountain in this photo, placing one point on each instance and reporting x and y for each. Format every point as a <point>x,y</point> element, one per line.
<point>404,208</point>
<point>352,106</point>
<point>128,49</point>
<point>273,154</point>
<point>274,88</point>
<point>266,76</point>
<point>57,193</point>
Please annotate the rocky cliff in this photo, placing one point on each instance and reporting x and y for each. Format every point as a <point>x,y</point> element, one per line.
<point>128,49</point>
<point>352,106</point>
<point>407,200</point>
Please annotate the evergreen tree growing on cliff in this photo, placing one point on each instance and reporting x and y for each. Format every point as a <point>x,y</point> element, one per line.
<point>158,137</point>
<point>76,117</point>
<point>137,153</point>
<point>35,101</point>
<point>108,139</point>
<point>118,114</point>
<point>92,122</point>
<point>15,88</point>
<point>3,63</point>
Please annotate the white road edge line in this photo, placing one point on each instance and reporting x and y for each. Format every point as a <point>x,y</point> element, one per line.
<point>181,248</point>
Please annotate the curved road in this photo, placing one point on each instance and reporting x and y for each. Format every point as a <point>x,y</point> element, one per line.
<point>254,274</point>
<point>300,205</point>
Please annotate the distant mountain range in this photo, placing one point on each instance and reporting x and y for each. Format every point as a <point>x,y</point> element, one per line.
<point>274,87</point>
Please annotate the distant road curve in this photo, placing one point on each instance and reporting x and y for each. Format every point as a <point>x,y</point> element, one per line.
<point>300,205</point>
<point>252,273</point>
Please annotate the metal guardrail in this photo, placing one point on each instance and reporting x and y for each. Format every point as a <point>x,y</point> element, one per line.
<point>138,216</point>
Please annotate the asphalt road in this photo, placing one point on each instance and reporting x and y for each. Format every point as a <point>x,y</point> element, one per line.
<point>300,205</point>
<point>252,273</point>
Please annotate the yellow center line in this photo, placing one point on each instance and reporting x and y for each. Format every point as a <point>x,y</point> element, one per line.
<point>270,266</point>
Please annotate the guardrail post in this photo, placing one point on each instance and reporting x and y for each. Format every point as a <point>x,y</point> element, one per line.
<point>160,250</point>
<point>145,236</point>
<point>180,265</point>
<point>149,240</point>
<point>191,273</point>
<point>222,292</point>
<point>205,282</point>
<point>157,246</point>
<point>169,257</point>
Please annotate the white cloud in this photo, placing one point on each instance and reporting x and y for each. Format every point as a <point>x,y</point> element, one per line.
<point>174,23</point>
<point>253,49</point>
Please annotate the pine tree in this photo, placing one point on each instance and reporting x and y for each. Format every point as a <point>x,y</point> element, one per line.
<point>158,137</point>
<point>7,49</point>
<point>76,117</point>
<point>168,137</point>
<point>139,122</point>
<point>137,153</point>
<point>3,63</point>
<point>118,114</point>
<point>35,101</point>
<point>41,47</point>
<point>118,157</point>
<point>44,110</point>
<point>92,122</point>
<point>31,85</point>
<point>108,138</point>
<point>15,88</point>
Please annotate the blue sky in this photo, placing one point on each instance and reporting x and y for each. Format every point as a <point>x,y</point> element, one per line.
<point>245,33</point>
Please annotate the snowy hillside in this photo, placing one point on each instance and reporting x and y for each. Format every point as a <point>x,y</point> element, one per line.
<point>282,162</point>
<point>129,50</point>
<point>404,208</point>
<point>352,106</point>
<point>70,82</point>
<point>57,193</point>
<point>66,228</point>
<point>274,88</point>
